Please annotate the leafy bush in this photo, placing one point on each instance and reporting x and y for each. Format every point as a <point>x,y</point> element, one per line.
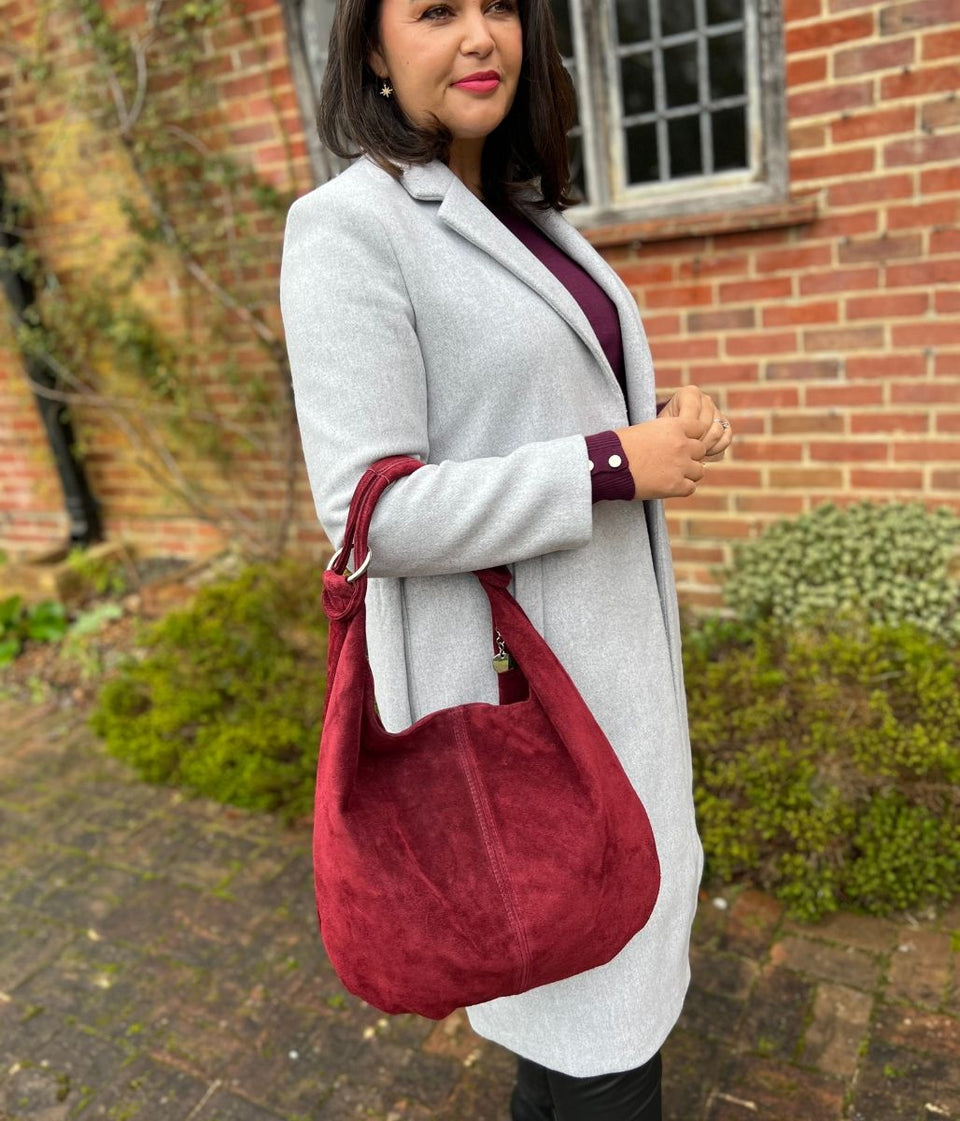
<point>41,622</point>
<point>228,700</point>
<point>882,563</point>
<point>827,763</point>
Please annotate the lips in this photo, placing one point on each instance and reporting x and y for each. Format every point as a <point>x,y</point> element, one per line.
<point>484,81</point>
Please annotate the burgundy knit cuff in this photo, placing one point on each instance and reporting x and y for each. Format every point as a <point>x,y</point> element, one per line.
<point>609,471</point>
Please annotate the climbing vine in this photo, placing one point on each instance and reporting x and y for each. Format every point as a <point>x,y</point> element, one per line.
<point>166,334</point>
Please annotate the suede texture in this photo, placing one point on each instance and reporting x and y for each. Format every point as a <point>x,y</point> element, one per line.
<point>483,851</point>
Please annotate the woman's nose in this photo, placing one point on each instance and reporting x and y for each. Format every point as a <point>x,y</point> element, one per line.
<point>476,35</point>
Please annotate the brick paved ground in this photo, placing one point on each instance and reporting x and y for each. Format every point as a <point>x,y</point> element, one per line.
<point>159,961</point>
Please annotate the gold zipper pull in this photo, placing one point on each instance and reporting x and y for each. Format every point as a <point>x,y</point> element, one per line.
<point>502,661</point>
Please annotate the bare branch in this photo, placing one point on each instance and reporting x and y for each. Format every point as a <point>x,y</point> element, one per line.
<point>116,91</point>
<point>140,56</point>
<point>198,146</point>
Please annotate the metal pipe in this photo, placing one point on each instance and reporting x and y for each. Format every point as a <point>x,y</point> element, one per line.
<point>82,508</point>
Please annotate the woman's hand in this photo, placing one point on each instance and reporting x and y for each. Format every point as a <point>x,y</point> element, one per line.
<point>666,455</point>
<point>706,421</point>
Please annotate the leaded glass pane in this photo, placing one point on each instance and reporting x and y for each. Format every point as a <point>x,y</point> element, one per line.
<point>723,11</point>
<point>633,21</point>
<point>636,80</point>
<point>680,74</point>
<point>725,53</point>
<point>675,16</point>
<point>643,165</point>
<point>684,137</point>
<point>729,138</point>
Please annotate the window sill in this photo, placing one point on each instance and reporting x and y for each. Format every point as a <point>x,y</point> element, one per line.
<point>797,211</point>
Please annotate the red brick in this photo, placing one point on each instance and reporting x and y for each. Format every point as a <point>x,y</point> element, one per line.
<point>792,259</point>
<point>865,423</point>
<point>942,43</point>
<point>880,122</point>
<point>790,424</point>
<point>805,137</point>
<point>872,190</point>
<point>676,350</point>
<point>825,33</point>
<point>730,318</point>
<point>949,422</point>
<point>769,504</point>
<point>782,342</point>
<point>886,366</point>
<point>926,334</point>
<point>794,10</point>
<point>887,307</point>
<point>767,450</point>
<point>804,71</point>
<point>843,338</point>
<point>752,290</point>
<point>900,16</point>
<point>821,370</point>
<point>838,395</point>
<point>840,280</point>
<point>927,451</point>
<point>853,223</point>
<point>919,273</point>
<point>821,101</point>
<point>784,315</point>
<point>938,180</point>
<point>723,475</point>
<point>939,115</point>
<point>721,528</point>
<point>924,393</point>
<point>944,241</point>
<point>922,149</point>
<point>945,480</point>
<point>848,451</point>
<point>779,397</point>
<point>886,480</point>
<point>834,165</point>
<point>946,365</point>
<point>803,478</point>
<point>880,249</point>
<point>942,212</point>
<point>877,56</point>
<point>654,272</point>
<point>658,325</point>
<point>723,373</point>
<point>714,264</point>
<point>948,301</point>
<point>679,296</point>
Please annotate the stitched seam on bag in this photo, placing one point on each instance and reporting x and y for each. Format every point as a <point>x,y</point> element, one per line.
<point>494,848</point>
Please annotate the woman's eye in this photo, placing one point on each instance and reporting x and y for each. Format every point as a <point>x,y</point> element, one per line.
<point>435,11</point>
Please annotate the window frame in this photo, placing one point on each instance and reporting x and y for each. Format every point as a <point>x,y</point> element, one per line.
<point>603,146</point>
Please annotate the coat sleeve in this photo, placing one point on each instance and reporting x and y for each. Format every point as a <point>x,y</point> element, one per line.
<point>360,390</point>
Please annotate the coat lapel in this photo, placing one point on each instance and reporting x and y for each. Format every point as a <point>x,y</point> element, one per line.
<point>463,212</point>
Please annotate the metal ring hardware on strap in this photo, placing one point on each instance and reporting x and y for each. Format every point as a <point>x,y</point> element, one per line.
<point>351,576</point>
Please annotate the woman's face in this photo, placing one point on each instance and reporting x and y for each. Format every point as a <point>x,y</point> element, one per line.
<point>427,49</point>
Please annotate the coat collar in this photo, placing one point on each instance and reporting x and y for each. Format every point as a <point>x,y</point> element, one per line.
<point>463,212</point>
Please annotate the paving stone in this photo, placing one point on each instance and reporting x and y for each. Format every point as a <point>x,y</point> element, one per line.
<point>710,1015</point>
<point>922,967</point>
<point>895,1084</point>
<point>865,932</point>
<point>723,973</point>
<point>147,1091</point>
<point>827,962</point>
<point>776,1016</point>
<point>692,1069</point>
<point>28,942</point>
<point>753,919</point>
<point>483,1090</point>
<point>773,1091</point>
<point>34,1093</point>
<point>226,1107</point>
<point>709,923</point>
<point>840,1024</point>
<point>917,1030</point>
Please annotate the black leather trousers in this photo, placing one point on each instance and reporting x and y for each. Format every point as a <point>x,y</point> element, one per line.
<point>546,1095</point>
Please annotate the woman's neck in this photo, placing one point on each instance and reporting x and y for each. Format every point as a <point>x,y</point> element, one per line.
<point>466,162</point>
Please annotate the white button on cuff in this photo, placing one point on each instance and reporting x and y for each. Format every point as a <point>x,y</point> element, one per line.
<point>614,461</point>
<point>590,461</point>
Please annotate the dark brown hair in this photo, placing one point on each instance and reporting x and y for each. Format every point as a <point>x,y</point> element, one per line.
<point>527,149</point>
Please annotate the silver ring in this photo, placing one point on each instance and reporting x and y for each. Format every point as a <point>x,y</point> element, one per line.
<point>724,424</point>
<point>351,576</point>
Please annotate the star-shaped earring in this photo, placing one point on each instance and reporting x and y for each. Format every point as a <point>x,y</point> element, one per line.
<point>386,90</point>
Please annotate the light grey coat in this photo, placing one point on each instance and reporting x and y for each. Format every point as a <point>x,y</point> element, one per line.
<point>417,324</point>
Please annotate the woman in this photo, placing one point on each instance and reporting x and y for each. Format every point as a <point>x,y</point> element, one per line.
<point>437,304</point>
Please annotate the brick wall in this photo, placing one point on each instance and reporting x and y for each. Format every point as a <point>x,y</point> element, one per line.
<point>833,343</point>
<point>831,333</point>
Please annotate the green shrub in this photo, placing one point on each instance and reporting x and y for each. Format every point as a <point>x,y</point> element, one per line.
<point>228,700</point>
<point>827,763</point>
<point>39,622</point>
<point>880,563</point>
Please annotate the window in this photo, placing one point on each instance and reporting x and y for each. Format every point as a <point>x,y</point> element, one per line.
<point>680,102</point>
<point>680,105</point>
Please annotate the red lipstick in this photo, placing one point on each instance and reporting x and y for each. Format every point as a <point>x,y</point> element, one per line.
<point>483,81</point>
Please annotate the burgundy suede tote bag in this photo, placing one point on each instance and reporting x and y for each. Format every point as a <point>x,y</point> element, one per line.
<point>486,849</point>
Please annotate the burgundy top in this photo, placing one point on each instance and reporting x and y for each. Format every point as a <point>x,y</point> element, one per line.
<point>609,471</point>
